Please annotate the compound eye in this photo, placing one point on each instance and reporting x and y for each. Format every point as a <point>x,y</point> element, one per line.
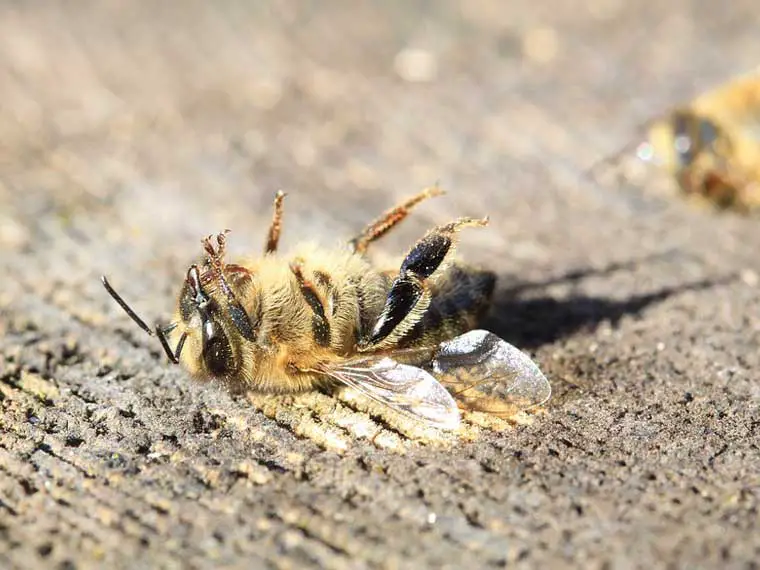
<point>187,304</point>
<point>217,354</point>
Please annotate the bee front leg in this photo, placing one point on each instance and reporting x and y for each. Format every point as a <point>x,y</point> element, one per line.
<point>409,295</point>
<point>390,218</point>
<point>273,236</point>
<point>320,324</point>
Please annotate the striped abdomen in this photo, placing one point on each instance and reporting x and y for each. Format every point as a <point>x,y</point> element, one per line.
<point>460,298</point>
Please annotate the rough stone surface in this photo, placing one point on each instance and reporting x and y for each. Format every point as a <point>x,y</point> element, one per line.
<point>128,131</point>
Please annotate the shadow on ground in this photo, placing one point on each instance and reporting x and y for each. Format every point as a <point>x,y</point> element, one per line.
<point>539,320</point>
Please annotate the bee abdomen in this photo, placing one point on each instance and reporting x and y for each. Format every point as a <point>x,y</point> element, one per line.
<point>460,298</point>
<point>342,296</point>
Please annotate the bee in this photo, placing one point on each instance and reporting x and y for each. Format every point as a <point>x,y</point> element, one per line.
<point>711,145</point>
<point>324,318</point>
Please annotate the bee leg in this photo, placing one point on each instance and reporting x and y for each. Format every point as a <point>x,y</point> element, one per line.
<point>216,253</point>
<point>409,295</point>
<point>389,219</point>
<point>273,236</point>
<point>460,297</point>
<point>320,325</point>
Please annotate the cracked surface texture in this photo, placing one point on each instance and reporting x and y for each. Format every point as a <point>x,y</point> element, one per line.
<point>127,133</point>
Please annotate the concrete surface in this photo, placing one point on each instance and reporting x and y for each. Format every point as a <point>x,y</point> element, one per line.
<point>130,130</point>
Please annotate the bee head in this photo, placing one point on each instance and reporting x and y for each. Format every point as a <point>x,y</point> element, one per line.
<point>203,316</point>
<point>210,325</point>
<point>215,321</point>
<point>692,134</point>
<point>678,141</point>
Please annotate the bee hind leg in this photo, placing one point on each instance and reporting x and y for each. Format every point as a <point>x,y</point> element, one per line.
<point>275,227</point>
<point>410,295</point>
<point>390,218</point>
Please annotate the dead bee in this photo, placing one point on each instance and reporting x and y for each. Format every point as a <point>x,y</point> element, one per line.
<point>711,145</point>
<point>322,318</point>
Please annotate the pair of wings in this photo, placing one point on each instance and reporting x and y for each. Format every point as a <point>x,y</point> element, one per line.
<point>478,369</point>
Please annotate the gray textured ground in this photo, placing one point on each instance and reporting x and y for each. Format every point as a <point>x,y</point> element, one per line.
<point>129,132</point>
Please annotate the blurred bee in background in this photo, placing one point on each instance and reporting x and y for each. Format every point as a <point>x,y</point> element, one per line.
<point>323,318</point>
<point>711,145</point>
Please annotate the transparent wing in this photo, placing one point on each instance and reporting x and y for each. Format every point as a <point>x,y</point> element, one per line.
<point>402,387</point>
<point>488,374</point>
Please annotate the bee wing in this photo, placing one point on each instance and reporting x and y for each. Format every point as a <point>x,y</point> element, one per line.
<point>402,387</point>
<point>488,374</point>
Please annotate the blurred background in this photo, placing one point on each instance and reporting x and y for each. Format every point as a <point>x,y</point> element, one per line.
<point>187,116</point>
<point>130,126</point>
